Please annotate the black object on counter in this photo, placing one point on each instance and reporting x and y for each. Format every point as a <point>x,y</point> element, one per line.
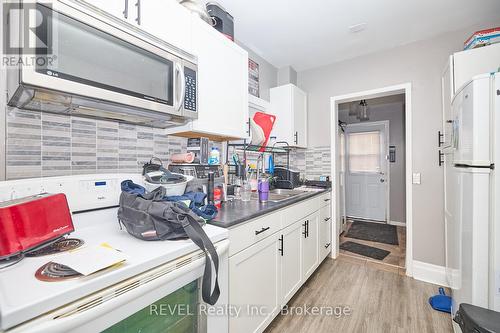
<point>318,183</point>
<point>474,319</point>
<point>210,187</point>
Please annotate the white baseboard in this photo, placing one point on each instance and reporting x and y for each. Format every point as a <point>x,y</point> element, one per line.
<point>429,273</point>
<point>396,223</point>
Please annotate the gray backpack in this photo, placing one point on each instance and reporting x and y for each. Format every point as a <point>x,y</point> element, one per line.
<point>149,217</point>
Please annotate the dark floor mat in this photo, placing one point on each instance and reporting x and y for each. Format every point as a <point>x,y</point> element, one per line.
<point>375,232</point>
<point>365,250</point>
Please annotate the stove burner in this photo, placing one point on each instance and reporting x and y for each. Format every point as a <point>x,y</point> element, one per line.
<point>52,271</point>
<point>62,245</point>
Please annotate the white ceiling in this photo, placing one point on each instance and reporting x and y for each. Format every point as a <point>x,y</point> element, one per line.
<point>311,33</point>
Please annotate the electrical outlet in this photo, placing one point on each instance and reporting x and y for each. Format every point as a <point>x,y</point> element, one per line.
<point>417,178</point>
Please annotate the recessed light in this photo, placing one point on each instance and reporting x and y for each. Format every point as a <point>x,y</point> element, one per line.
<point>357,27</point>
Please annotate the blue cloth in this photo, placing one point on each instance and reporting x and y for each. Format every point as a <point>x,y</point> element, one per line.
<point>441,302</point>
<point>197,199</point>
<point>132,188</point>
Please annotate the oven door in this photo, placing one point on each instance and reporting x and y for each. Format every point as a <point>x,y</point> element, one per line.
<point>164,299</point>
<point>95,57</point>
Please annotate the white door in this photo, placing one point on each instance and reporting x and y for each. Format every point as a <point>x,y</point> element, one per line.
<point>300,117</point>
<point>168,20</point>
<point>310,253</point>
<point>367,176</point>
<point>291,274</point>
<point>259,300</point>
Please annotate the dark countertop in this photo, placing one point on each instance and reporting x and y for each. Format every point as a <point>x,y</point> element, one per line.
<point>237,211</point>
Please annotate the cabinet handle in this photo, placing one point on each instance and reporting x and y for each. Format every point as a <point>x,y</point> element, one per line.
<point>441,162</point>
<point>305,229</point>
<point>327,219</point>
<point>326,200</point>
<point>138,18</point>
<point>125,10</point>
<point>281,244</point>
<point>262,230</point>
<point>440,139</point>
<point>296,138</point>
<point>328,245</point>
<point>249,129</point>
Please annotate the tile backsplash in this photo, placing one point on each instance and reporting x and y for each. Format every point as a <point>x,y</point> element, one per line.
<point>44,144</point>
<point>312,162</point>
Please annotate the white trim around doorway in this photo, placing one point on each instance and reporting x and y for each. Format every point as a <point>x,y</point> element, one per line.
<point>368,94</point>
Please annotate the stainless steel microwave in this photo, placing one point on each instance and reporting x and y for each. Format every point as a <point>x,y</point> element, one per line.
<point>101,67</point>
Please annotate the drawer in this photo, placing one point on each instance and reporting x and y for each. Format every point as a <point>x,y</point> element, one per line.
<point>325,214</point>
<point>325,236</point>
<point>247,234</point>
<point>299,211</point>
<point>325,199</point>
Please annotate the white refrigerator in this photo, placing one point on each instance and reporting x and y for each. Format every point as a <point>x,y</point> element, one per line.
<point>472,195</point>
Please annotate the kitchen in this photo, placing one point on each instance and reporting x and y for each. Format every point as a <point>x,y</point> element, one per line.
<point>213,116</point>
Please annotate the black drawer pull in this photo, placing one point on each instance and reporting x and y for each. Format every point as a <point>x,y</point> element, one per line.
<point>328,245</point>
<point>262,230</point>
<point>325,200</point>
<point>328,219</point>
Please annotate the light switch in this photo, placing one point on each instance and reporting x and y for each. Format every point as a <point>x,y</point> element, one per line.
<point>417,178</point>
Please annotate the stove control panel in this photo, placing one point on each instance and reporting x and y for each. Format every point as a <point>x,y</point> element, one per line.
<point>85,192</point>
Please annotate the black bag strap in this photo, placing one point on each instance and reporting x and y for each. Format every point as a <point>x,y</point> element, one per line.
<point>196,233</point>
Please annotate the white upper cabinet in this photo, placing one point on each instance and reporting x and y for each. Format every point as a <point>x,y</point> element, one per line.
<point>223,86</point>
<point>289,104</point>
<point>119,8</point>
<point>169,21</point>
<point>165,19</point>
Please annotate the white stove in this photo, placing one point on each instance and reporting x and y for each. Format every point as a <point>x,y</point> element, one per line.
<point>154,269</point>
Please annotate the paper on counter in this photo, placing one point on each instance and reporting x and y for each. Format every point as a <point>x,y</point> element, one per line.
<point>90,259</point>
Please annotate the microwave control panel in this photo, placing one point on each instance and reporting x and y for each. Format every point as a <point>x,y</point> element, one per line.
<point>190,99</point>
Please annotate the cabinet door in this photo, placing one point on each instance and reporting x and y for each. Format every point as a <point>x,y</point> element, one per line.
<point>309,245</point>
<point>300,117</point>
<point>119,8</point>
<point>223,83</point>
<point>325,232</point>
<point>281,107</point>
<point>254,279</point>
<point>167,20</point>
<point>291,255</point>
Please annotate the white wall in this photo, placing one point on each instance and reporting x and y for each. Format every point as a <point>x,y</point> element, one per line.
<point>394,113</point>
<point>420,63</point>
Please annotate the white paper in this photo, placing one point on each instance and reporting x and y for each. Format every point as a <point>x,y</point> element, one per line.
<point>90,259</point>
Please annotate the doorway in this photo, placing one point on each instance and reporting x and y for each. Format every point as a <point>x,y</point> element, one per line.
<point>371,171</point>
<point>367,191</point>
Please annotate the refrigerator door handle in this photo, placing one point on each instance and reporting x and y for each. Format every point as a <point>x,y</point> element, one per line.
<point>441,161</point>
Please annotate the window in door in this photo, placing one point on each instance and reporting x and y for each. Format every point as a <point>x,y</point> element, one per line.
<point>364,152</point>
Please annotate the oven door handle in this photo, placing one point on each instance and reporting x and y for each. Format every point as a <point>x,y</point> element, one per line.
<point>180,85</point>
<point>103,309</point>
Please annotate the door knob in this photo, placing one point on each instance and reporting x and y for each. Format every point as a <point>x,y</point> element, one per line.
<point>382,180</point>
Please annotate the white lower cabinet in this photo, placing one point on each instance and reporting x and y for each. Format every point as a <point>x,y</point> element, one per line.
<point>268,263</point>
<point>291,257</point>
<point>254,286</point>
<point>310,245</point>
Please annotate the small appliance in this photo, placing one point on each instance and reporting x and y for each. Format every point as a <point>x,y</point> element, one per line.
<point>286,178</point>
<point>199,171</point>
<point>199,147</point>
<point>104,69</point>
<point>222,20</point>
<point>31,222</point>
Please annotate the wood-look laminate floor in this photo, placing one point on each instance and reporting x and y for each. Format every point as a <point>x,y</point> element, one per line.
<point>379,301</point>
<point>397,252</point>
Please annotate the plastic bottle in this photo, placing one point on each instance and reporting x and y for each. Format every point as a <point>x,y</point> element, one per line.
<point>214,156</point>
